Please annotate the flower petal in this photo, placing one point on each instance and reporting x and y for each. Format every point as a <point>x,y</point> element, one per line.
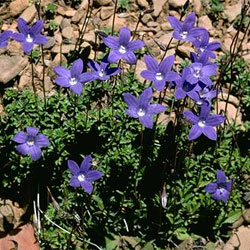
<point>151,64</point>
<point>36,27</point>
<point>42,141</point>
<point>221,177</point>
<point>18,37</point>
<point>111,42</point>
<point>22,149</point>
<point>156,108</point>
<point>93,175</point>
<point>194,132</point>
<point>77,68</point>
<point>180,93</point>
<point>62,71</point>
<point>145,98</point>
<point>76,89</point>
<point>175,23</point>
<point>131,101</point>
<point>215,120</point>
<point>211,188</point>
<point>73,167</point>
<point>74,182</point>
<point>32,131</point>
<point>35,152</point>
<point>189,22</point>
<point>209,132</point>
<point>213,45</point>
<point>23,26</point>
<point>124,36</point>
<point>134,45</point>
<point>87,186</point>
<point>146,121</point>
<point>62,81</point>
<point>86,164</point>
<point>130,57</point>
<point>132,112</point>
<point>93,65</point>
<point>149,75</point>
<point>20,137</point>
<point>190,116</point>
<point>159,85</point>
<point>27,47</point>
<point>40,39</point>
<point>166,64</point>
<point>114,56</point>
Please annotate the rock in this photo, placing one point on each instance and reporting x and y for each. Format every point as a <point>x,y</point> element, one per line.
<point>102,2</point>
<point>205,22</point>
<point>51,42</point>
<point>59,60</point>
<point>10,67</point>
<point>18,6</point>
<point>158,6</point>
<point>24,81</point>
<point>164,39</point>
<point>233,11</point>
<point>231,112</point>
<point>184,50</point>
<point>166,26</point>
<point>65,23</point>
<point>239,240</point>
<point>232,99</point>
<point>48,84</point>
<point>67,32</point>
<point>142,3</point>
<point>78,15</point>
<point>29,14</point>
<point>140,66</point>
<point>58,19</point>
<point>24,238</point>
<point>225,46</point>
<point>197,6</point>
<point>66,48</point>
<point>119,23</point>
<point>66,11</point>
<point>176,3</point>
<point>106,12</point>
<point>146,19</point>
<point>152,24</point>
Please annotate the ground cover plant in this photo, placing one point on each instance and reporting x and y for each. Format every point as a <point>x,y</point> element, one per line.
<point>109,160</point>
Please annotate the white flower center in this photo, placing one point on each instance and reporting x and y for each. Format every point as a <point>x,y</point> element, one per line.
<point>199,102</point>
<point>221,190</point>
<point>81,177</point>
<point>30,142</point>
<point>184,34</point>
<point>29,39</point>
<point>122,49</point>
<point>101,73</point>
<point>197,73</point>
<point>73,81</point>
<point>141,112</point>
<point>202,49</point>
<point>158,76</point>
<point>201,124</point>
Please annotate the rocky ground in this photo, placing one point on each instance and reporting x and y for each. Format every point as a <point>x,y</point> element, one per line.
<point>62,28</point>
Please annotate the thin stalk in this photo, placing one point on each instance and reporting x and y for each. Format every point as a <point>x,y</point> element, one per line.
<point>137,24</point>
<point>32,79</point>
<point>113,21</point>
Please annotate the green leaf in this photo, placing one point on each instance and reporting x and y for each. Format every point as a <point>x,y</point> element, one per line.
<point>233,216</point>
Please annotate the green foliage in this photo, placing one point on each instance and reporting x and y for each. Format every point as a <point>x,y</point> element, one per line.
<point>53,25</point>
<point>123,5</point>
<point>216,7</point>
<point>245,22</point>
<point>50,8</point>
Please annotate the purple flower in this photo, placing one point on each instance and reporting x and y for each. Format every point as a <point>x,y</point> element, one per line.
<point>220,189</point>
<point>83,176</point>
<point>204,123</point>
<point>185,31</point>
<point>203,45</point>
<point>100,71</point>
<point>141,108</point>
<point>31,143</point>
<point>203,95</point>
<point>161,73</point>
<point>184,88</point>
<point>29,36</point>
<point>122,47</point>
<point>200,73</point>
<point>73,78</point>
<point>4,37</point>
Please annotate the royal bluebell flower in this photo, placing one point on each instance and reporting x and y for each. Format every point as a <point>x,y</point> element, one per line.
<point>200,73</point>
<point>184,88</point>
<point>101,71</point>
<point>185,31</point>
<point>122,47</point>
<point>73,78</point>
<point>159,73</point>
<point>4,38</point>
<point>29,36</point>
<point>83,176</point>
<point>203,45</point>
<point>31,142</point>
<point>221,189</point>
<point>204,123</point>
<point>141,108</point>
<point>203,95</point>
